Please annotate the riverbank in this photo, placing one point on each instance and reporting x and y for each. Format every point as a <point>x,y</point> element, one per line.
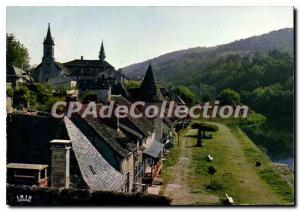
<point>186,177</point>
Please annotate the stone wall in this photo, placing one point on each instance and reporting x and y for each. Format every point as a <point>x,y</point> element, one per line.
<point>35,196</point>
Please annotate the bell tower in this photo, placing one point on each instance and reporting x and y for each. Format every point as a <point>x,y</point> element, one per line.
<point>48,56</point>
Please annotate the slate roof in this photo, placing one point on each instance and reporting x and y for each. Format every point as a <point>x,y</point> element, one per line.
<point>105,132</point>
<point>95,170</point>
<point>59,80</point>
<point>131,131</point>
<point>120,89</point>
<point>88,63</point>
<point>143,124</point>
<point>57,64</point>
<point>154,150</point>
<point>12,71</point>
<point>48,40</point>
<point>149,89</point>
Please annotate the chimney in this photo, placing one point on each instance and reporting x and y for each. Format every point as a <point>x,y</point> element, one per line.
<point>104,93</point>
<point>81,57</point>
<point>60,163</point>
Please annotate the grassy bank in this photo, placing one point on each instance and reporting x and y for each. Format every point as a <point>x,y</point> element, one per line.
<point>266,172</point>
<point>235,158</point>
<point>170,160</point>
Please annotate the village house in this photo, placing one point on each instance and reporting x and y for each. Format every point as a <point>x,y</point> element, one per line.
<point>15,75</point>
<point>71,158</point>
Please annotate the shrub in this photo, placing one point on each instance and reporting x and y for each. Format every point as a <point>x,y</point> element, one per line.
<point>229,97</point>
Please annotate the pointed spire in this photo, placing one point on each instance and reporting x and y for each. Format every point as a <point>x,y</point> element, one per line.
<point>149,87</point>
<point>102,53</point>
<point>48,40</point>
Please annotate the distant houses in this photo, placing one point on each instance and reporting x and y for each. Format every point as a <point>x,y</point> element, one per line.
<point>109,154</point>
<point>15,75</point>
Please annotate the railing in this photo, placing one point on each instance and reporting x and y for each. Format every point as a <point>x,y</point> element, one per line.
<point>156,169</point>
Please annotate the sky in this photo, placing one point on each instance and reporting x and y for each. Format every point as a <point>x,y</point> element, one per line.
<point>135,34</point>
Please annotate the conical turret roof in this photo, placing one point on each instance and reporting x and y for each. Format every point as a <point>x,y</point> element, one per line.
<point>149,87</point>
<point>48,40</point>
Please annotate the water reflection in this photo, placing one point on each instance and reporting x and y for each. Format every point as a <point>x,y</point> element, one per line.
<point>275,137</point>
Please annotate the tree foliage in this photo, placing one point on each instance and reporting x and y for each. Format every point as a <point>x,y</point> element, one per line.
<point>186,94</point>
<point>131,84</point>
<point>39,97</point>
<point>16,53</point>
<point>230,97</point>
<point>205,127</point>
<point>211,171</point>
<point>21,97</point>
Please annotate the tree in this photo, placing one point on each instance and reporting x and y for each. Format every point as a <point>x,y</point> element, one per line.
<point>229,97</point>
<point>16,53</point>
<point>42,92</point>
<point>21,97</point>
<point>203,127</point>
<point>9,92</point>
<point>186,94</point>
<point>199,134</point>
<point>211,171</point>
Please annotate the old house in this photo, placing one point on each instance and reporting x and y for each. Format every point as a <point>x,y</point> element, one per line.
<point>15,75</point>
<point>58,143</point>
<point>121,141</point>
<point>149,93</point>
<point>97,71</point>
<point>150,149</point>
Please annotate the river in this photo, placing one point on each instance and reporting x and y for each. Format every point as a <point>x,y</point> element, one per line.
<point>275,137</point>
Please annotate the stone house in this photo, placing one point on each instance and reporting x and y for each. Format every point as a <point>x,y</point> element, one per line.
<point>72,159</point>
<point>121,142</point>
<point>15,75</point>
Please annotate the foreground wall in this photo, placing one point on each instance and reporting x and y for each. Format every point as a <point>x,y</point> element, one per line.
<point>35,196</point>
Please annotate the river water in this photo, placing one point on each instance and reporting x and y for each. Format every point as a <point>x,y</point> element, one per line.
<point>276,138</point>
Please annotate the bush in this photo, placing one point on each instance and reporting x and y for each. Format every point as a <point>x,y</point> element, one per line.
<point>21,97</point>
<point>9,92</point>
<point>205,127</point>
<point>230,97</point>
<point>88,95</point>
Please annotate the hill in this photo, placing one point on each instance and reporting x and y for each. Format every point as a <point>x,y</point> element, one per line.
<point>174,66</point>
<point>260,69</point>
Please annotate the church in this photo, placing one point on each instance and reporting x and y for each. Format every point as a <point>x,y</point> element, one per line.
<point>86,74</point>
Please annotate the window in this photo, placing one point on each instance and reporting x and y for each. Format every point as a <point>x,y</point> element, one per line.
<point>24,173</point>
<point>43,174</point>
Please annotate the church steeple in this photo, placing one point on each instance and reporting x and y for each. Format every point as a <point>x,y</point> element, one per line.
<point>48,56</point>
<point>149,87</point>
<point>102,53</point>
<point>48,40</point>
